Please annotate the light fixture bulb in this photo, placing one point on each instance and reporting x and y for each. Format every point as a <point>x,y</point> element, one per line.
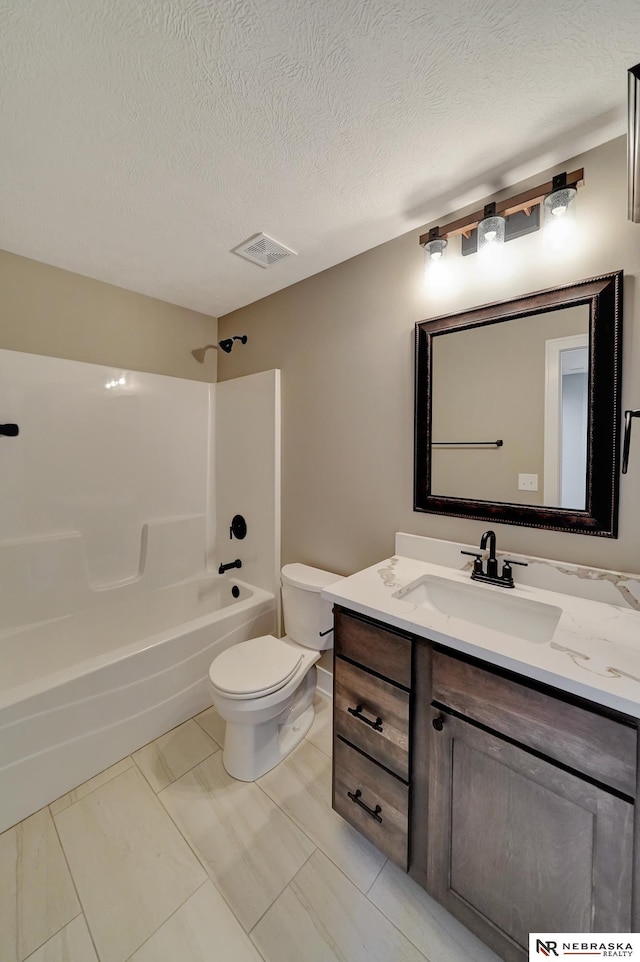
<point>434,249</point>
<point>491,231</point>
<point>559,218</point>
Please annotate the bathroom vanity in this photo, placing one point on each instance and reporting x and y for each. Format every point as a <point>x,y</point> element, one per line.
<point>482,762</point>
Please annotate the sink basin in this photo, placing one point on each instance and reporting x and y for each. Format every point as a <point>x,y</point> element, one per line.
<point>522,617</point>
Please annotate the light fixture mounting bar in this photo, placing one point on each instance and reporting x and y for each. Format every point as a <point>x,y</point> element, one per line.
<point>511,205</point>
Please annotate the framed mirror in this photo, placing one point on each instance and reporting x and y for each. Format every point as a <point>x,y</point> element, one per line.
<point>517,410</point>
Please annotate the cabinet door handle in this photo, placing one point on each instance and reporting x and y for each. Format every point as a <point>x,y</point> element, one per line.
<point>438,723</point>
<point>357,713</point>
<point>373,812</point>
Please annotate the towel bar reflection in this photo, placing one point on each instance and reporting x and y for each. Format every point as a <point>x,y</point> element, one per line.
<point>465,444</point>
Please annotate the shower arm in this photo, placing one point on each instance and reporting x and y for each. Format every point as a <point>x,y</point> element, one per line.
<point>226,344</point>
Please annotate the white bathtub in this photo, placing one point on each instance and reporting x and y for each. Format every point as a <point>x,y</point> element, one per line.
<point>80,692</point>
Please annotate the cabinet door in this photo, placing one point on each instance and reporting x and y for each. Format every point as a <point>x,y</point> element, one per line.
<point>518,845</point>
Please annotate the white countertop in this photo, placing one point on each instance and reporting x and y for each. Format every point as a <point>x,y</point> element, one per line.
<point>594,652</point>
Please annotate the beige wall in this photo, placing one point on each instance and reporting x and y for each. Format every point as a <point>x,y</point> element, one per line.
<point>344,342</point>
<point>49,311</point>
<point>489,383</point>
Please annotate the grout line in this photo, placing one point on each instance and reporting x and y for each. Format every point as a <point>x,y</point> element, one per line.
<point>204,865</point>
<point>291,880</point>
<point>48,939</point>
<point>465,954</point>
<point>71,873</point>
<point>73,882</point>
<point>195,719</point>
<point>375,880</point>
<point>91,791</point>
<point>313,841</point>
<point>289,817</point>
<point>200,860</point>
<point>178,777</point>
<point>155,931</point>
<point>16,900</point>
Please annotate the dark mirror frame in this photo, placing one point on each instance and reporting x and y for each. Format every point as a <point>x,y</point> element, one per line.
<point>603,295</point>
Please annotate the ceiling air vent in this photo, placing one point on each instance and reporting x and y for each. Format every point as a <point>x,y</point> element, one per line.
<point>262,250</point>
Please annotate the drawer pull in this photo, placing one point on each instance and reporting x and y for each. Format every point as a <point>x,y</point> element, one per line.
<point>357,713</point>
<point>373,812</point>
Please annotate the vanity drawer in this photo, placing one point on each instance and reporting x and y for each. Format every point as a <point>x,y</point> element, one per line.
<point>353,774</point>
<point>584,740</point>
<point>385,652</point>
<point>360,699</point>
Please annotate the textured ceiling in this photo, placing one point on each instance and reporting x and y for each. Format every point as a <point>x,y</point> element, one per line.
<point>140,140</point>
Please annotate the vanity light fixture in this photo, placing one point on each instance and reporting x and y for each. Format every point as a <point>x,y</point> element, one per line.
<point>560,201</point>
<point>561,193</point>
<point>491,229</point>
<point>435,246</point>
<point>559,213</point>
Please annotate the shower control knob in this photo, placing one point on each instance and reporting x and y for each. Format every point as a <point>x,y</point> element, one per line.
<point>238,528</point>
<point>438,723</point>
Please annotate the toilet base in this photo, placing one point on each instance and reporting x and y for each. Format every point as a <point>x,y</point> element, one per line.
<point>253,750</point>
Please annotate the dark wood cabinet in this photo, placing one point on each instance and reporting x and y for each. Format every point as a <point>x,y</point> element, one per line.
<point>519,845</point>
<point>373,715</point>
<point>511,803</point>
<point>373,800</point>
<point>371,718</point>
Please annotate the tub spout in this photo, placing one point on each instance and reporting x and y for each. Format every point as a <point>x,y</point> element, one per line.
<point>232,564</point>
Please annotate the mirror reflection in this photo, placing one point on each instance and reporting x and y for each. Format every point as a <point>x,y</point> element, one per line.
<point>524,383</point>
<point>517,409</point>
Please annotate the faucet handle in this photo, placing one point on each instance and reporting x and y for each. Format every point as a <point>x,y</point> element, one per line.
<point>477,564</point>
<point>507,574</point>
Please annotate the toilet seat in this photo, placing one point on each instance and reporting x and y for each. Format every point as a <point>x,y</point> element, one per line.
<point>255,668</point>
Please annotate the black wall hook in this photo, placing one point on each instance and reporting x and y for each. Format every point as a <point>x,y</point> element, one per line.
<point>9,430</point>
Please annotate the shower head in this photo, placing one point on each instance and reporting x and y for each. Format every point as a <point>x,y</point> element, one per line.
<point>224,345</point>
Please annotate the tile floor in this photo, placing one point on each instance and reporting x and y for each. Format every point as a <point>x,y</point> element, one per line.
<point>164,857</point>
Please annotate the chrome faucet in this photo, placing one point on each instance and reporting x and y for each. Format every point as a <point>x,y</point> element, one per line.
<point>490,575</point>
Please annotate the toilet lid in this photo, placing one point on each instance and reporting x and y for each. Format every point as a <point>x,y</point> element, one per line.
<point>256,667</point>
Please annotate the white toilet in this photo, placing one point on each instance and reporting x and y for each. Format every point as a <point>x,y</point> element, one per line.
<point>263,688</point>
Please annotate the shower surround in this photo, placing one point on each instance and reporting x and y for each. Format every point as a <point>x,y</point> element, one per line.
<point>115,504</point>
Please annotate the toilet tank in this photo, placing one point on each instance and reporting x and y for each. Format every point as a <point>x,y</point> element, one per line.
<point>306,615</point>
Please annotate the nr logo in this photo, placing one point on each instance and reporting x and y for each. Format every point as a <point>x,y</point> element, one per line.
<point>546,948</point>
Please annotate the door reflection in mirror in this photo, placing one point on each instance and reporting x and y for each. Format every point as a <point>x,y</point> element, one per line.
<point>566,421</point>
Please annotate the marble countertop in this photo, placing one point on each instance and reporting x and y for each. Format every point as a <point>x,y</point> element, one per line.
<point>594,652</point>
